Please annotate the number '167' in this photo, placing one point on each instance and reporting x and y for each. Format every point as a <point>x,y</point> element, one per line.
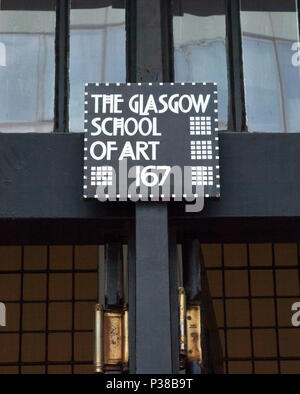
<point>149,176</point>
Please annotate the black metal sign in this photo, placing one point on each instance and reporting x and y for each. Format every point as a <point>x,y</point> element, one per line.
<point>151,141</point>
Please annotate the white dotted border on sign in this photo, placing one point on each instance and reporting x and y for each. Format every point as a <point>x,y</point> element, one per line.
<point>85,177</point>
<point>149,84</point>
<point>149,197</point>
<point>216,120</point>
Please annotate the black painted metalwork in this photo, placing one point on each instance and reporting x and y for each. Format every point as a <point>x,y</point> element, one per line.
<point>298,8</point>
<point>154,275</point>
<point>62,66</point>
<point>173,272</point>
<point>149,47</point>
<point>197,292</point>
<point>153,312</point>
<point>192,286</point>
<point>114,275</point>
<point>131,40</point>
<point>236,79</point>
<point>132,299</point>
<point>29,5</point>
<point>166,21</point>
<point>114,297</point>
<point>41,177</point>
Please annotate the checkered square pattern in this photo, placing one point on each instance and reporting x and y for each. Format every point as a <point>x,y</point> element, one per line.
<point>101,176</point>
<point>200,125</point>
<point>202,176</point>
<point>201,150</point>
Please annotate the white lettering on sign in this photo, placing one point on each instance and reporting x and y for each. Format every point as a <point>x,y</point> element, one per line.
<point>168,134</point>
<point>121,126</point>
<point>110,103</point>
<point>140,149</point>
<point>105,149</point>
<point>175,103</point>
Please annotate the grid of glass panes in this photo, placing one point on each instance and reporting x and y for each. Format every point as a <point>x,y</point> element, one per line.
<point>270,48</point>
<point>253,287</point>
<point>270,34</point>
<point>97,51</point>
<point>199,32</point>
<point>50,294</point>
<point>27,66</point>
<point>27,59</point>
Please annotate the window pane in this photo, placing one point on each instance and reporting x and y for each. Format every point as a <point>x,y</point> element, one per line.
<point>27,66</point>
<point>200,47</point>
<point>97,51</point>
<point>272,82</point>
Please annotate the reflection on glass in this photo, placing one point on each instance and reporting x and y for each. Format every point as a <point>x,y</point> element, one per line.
<point>199,31</point>
<point>97,52</point>
<point>272,82</point>
<point>27,68</point>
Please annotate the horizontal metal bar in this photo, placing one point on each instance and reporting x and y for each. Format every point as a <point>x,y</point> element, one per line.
<point>252,268</point>
<point>44,301</point>
<point>33,363</point>
<point>76,271</point>
<point>43,331</point>
<point>249,188</point>
<point>255,327</point>
<point>254,297</point>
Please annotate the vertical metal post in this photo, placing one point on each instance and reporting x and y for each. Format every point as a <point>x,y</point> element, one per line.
<point>132,299</point>
<point>298,10</point>
<point>153,305</point>
<point>153,310</point>
<point>192,284</point>
<point>238,112</point>
<point>114,274</point>
<point>197,293</point>
<point>62,65</point>
<point>174,307</point>
<point>114,298</point>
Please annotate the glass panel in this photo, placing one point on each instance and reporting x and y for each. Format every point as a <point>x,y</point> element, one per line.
<point>272,82</point>
<point>27,66</point>
<point>200,47</point>
<point>97,51</point>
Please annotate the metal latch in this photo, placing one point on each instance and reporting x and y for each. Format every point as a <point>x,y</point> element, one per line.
<point>190,330</point>
<point>111,339</point>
